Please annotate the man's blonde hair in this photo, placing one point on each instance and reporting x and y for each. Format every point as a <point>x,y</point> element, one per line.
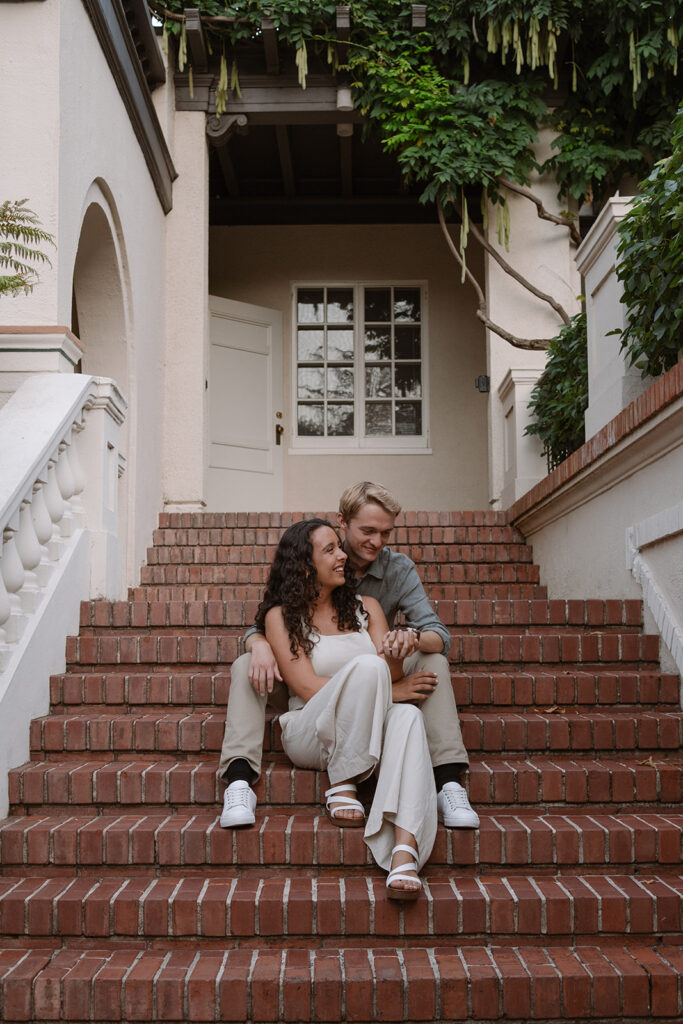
<point>353,499</point>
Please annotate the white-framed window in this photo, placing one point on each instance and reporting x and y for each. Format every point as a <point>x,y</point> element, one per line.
<point>360,367</point>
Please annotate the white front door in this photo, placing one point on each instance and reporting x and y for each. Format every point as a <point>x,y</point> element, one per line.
<point>245,408</point>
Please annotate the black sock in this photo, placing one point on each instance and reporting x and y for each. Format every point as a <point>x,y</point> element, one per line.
<point>240,770</point>
<point>444,773</point>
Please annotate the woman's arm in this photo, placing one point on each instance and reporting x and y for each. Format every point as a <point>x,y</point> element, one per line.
<point>297,672</point>
<point>378,629</point>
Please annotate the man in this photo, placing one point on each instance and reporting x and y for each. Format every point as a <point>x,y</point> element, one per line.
<point>367,512</point>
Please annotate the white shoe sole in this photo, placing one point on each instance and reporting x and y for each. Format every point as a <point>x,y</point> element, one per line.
<point>458,823</point>
<point>237,819</point>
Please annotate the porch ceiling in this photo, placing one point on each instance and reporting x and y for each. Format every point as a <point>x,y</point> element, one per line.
<point>286,155</point>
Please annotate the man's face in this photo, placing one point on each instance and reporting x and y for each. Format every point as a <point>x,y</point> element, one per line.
<point>366,534</point>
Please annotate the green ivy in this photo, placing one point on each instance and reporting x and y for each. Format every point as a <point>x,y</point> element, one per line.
<point>650,265</point>
<point>559,399</point>
<point>459,103</point>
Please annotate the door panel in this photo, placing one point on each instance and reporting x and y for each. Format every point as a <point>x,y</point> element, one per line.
<point>245,393</point>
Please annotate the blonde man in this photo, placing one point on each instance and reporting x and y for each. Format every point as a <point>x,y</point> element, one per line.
<point>367,512</point>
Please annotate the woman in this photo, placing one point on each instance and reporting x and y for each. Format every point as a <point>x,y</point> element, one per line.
<point>341,717</point>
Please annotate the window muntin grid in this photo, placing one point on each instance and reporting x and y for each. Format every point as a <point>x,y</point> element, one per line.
<point>360,359</point>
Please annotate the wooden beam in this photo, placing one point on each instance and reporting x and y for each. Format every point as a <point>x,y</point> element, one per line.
<point>419,15</point>
<point>195,40</point>
<point>343,26</point>
<point>285,151</point>
<point>270,46</point>
<point>345,133</point>
<point>228,171</point>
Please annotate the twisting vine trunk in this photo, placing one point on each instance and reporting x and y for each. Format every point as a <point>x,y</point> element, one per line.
<point>534,344</point>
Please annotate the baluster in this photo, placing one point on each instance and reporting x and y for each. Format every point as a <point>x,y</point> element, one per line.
<point>29,553</point>
<point>43,526</point>
<point>5,611</point>
<point>13,575</point>
<point>65,482</point>
<point>55,507</point>
<point>78,476</point>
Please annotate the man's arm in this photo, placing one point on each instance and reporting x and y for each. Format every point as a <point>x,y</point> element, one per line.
<point>414,606</point>
<point>263,670</point>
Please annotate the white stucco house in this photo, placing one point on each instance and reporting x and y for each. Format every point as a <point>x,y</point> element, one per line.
<point>255,314</point>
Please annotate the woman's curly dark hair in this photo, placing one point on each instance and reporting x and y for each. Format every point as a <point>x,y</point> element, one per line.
<point>292,584</point>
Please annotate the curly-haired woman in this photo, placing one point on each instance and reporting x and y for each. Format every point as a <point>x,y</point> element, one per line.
<point>341,717</point>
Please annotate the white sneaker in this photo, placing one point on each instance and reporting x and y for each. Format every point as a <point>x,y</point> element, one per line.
<point>239,803</point>
<point>454,808</point>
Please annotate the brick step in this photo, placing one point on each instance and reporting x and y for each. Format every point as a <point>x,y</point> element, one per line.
<point>403,535</point>
<point>262,554</point>
<point>440,572</point>
<point>326,910</point>
<point>215,645</point>
<point>254,592</point>
<point>189,690</point>
<point>178,733</point>
<point>429,984</point>
<point>309,845</point>
<point>494,782</point>
<point>221,520</point>
<point>483,614</point>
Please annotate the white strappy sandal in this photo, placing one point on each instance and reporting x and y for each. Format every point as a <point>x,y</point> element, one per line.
<point>397,874</point>
<point>337,799</point>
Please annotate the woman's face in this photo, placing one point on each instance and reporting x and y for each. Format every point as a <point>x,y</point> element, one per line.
<point>328,557</point>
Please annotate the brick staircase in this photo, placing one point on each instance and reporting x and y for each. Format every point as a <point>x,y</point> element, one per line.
<point>121,899</point>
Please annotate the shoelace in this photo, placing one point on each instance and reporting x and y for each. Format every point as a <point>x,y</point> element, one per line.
<point>237,797</point>
<point>455,797</point>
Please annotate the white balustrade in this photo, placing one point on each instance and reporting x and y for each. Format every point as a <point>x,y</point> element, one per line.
<point>41,482</point>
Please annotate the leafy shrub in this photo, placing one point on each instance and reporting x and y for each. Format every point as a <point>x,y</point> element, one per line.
<point>651,265</point>
<point>560,396</point>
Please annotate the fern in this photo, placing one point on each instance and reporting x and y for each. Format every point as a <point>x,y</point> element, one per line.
<point>20,234</point>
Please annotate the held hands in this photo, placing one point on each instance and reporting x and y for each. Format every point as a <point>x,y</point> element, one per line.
<point>399,643</point>
<point>263,670</point>
<point>414,688</point>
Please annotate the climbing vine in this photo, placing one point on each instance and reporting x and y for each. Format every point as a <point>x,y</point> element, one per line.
<point>460,102</point>
<point>651,265</point>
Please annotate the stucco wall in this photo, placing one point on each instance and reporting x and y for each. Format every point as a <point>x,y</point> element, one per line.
<point>541,252</point>
<point>258,265</point>
<point>67,139</point>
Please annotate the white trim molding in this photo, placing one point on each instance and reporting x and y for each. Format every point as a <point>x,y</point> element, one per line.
<point>657,529</point>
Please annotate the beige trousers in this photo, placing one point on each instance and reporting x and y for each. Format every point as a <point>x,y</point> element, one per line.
<point>246,715</point>
<point>351,728</point>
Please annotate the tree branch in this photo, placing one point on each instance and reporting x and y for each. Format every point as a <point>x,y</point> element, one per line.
<point>525,343</point>
<point>509,269</point>
<point>544,214</point>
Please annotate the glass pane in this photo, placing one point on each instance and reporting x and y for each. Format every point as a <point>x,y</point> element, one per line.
<point>406,304</point>
<point>407,382</point>
<point>310,383</point>
<point>408,418</point>
<point>339,383</point>
<point>377,419</point>
<point>378,304</point>
<point>377,344</point>
<point>310,345</point>
<point>310,420</point>
<point>310,305</point>
<point>407,342</point>
<point>340,305</point>
<point>378,382</point>
<point>340,344</point>
<point>340,420</point>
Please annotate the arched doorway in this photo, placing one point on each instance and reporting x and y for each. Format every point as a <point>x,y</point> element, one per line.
<point>101,319</point>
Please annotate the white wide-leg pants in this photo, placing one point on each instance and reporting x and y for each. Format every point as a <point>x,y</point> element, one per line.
<point>350,728</point>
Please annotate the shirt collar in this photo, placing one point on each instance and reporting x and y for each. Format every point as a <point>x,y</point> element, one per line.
<point>378,567</point>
